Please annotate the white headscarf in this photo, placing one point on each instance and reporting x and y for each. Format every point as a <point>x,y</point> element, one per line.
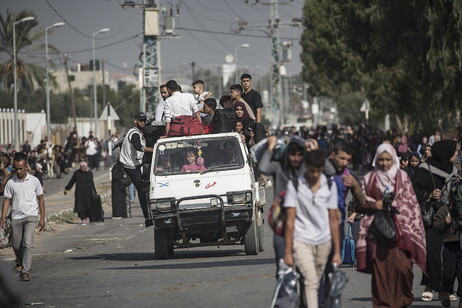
<point>386,179</point>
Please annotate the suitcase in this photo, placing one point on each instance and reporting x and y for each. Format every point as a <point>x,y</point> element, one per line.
<point>185,126</point>
<point>96,212</point>
<point>349,249</point>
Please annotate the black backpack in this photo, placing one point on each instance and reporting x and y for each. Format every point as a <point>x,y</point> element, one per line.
<point>224,121</point>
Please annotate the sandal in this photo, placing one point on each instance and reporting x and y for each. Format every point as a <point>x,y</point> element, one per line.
<point>25,277</point>
<point>427,296</point>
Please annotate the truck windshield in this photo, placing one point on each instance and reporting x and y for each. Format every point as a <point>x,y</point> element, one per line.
<point>197,155</point>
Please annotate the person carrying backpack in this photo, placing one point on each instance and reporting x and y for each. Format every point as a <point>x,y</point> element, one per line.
<point>224,120</point>
<point>345,181</point>
<point>287,169</point>
<point>312,224</point>
<point>283,169</point>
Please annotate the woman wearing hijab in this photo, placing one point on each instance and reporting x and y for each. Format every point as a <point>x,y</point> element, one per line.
<point>404,146</point>
<point>84,191</point>
<point>413,164</point>
<point>428,186</point>
<point>241,111</point>
<point>390,263</point>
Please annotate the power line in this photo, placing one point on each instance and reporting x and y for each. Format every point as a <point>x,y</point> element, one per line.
<point>203,27</point>
<point>116,67</point>
<point>88,49</point>
<point>204,16</point>
<point>80,32</point>
<point>195,37</point>
<point>258,8</point>
<point>231,8</point>
<point>210,8</point>
<point>67,22</point>
<point>236,34</point>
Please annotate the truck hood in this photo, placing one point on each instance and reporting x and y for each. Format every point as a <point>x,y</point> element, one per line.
<point>196,184</point>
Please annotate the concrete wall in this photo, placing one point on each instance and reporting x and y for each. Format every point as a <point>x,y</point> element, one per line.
<point>33,127</point>
<point>7,133</point>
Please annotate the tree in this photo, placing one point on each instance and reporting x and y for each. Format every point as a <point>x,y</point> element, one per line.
<point>406,56</point>
<point>29,75</point>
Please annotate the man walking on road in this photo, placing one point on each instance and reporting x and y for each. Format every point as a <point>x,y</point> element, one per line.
<point>131,157</point>
<point>312,224</point>
<point>346,181</point>
<point>27,195</point>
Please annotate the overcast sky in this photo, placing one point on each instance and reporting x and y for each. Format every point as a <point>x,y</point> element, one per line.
<point>197,44</point>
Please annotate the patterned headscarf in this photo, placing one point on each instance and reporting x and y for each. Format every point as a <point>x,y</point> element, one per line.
<point>409,219</point>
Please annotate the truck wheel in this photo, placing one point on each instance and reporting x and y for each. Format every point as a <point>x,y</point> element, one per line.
<point>260,239</point>
<point>251,239</point>
<point>260,236</point>
<point>161,250</point>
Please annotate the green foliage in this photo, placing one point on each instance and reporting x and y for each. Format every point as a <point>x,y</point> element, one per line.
<point>405,55</point>
<point>125,102</point>
<point>29,75</point>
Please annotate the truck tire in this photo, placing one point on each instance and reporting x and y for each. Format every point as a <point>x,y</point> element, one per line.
<point>161,250</point>
<point>260,234</point>
<point>260,239</point>
<point>251,239</point>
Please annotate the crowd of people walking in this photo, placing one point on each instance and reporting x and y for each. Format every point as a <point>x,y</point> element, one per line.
<point>406,210</point>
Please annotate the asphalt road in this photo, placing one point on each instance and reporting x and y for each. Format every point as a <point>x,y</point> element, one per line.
<point>112,265</point>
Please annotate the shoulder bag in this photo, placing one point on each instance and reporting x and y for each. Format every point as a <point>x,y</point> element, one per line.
<point>429,206</point>
<point>383,226</point>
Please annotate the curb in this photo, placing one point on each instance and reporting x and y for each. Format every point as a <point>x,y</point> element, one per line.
<point>105,200</point>
<point>59,214</point>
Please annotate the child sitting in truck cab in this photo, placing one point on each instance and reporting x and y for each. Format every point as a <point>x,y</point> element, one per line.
<point>193,163</point>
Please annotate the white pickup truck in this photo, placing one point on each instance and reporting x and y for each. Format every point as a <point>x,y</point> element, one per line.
<point>203,192</point>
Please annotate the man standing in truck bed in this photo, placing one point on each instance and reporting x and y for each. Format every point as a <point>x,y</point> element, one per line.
<point>252,97</point>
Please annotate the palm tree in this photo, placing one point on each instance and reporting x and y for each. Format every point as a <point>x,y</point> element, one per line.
<point>28,43</point>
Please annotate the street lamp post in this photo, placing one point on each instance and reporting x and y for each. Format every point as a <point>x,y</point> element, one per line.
<point>245,45</point>
<point>15,116</point>
<point>94,78</point>
<point>55,25</point>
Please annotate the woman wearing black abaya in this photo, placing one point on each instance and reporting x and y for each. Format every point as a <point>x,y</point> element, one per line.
<point>443,156</point>
<point>84,191</point>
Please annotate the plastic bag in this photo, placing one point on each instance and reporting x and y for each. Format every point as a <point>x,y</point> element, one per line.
<point>338,281</point>
<point>286,294</point>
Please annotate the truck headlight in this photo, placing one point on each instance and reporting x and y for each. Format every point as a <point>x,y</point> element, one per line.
<point>162,205</point>
<point>242,198</point>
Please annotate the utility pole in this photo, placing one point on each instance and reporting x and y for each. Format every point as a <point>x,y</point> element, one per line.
<point>154,30</point>
<point>276,58</point>
<point>103,81</point>
<point>193,69</point>
<point>275,76</point>
<point>71,93</point>
<point>220,80</point>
